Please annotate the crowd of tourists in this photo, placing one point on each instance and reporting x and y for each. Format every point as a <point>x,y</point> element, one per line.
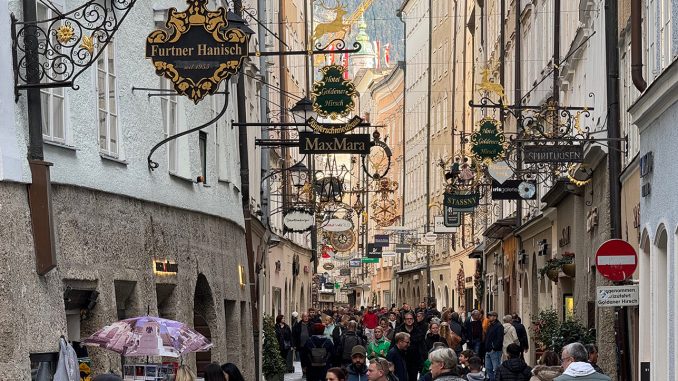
<point>423,344</point>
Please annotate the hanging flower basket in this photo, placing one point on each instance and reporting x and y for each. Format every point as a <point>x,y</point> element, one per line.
<point>553,274</point>
<point>553,266</point>
<point>570,269</point>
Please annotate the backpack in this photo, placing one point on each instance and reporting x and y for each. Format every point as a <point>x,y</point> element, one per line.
<point>347,344</point>
<point>319,355</point>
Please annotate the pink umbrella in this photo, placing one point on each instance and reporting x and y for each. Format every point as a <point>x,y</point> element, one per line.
<point>149,336</point>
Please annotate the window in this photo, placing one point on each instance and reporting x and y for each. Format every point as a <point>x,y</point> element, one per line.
<point>202,142</point>
<point>170,111</point>
<point>52,100</point>
<point>665,33</point>
<point>107,101</point>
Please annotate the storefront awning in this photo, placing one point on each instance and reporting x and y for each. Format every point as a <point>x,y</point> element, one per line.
<point>477,252</point>
<point>500,228</point>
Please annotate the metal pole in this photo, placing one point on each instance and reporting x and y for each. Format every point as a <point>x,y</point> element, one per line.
<point>403,185</point>
<point>517,99</point>
<point>614,171</point>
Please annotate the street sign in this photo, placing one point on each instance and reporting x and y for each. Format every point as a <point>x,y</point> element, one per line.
<point>439,226</point>
<point>370,260</point>
<point>617,296</point>
<point>563,153</point>
<point>323,143</point>
<point>616,260</point>
<point>402,248</point>
<point>381,240</point>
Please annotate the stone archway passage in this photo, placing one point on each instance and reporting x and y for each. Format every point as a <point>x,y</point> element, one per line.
<point>204,319</point>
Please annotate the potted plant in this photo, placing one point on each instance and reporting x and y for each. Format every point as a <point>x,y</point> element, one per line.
<point>569,269</point>
<point>553,266</point>
<point>273,365</point>
<point>550,333</point>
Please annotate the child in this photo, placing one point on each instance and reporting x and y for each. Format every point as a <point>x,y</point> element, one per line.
<point>475,369</point>
<point>464,356</point>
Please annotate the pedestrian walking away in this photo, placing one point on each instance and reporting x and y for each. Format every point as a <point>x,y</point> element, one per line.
<point>514,368</point>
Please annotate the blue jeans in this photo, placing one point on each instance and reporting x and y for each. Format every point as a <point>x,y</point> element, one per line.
<point>492,362</point>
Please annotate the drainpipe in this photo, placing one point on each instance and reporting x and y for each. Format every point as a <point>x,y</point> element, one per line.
<point>637,45</point>
<point>404,137</point>
<point>428,151</point>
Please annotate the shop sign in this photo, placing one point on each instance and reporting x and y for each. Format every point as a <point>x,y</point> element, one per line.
<point>333,95</point>
<point>337,225</point>
<point>617,296</point>
<point>370,260</point>
<point>381,240</point>
<point>562,153</point>
<point>373,251</point>
<point>428,239</point>
<point>334,128</point>
<point>198,51</point>
<point>439,226</point>
<point>452,218</point>
<point>462,202</point>
<point>328,266</point>
<point>165,268</point>
<point>402,248</point>
<point>354,263</point>
<point>322,143</point>
<point>487,144</point>
<point>500,171</point>
<point>514,190</point>
<point>343,241</point>
<point>388,254</point>
<point>298,220</point>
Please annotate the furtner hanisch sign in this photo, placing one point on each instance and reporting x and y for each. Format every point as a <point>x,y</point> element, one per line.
<point>562,153</point>
<point>197,49</point>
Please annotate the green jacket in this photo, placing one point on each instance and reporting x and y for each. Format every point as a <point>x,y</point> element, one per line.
<point>378,348</point>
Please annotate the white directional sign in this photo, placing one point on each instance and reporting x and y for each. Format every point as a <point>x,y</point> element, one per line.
<point>439,226</point>
<point>617,296</point>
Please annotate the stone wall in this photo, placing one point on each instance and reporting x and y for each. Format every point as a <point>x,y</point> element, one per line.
<point>103,240</point>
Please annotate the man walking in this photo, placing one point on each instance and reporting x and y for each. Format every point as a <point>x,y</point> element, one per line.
<point>301,332</point>
<point>474,331</point>
<point>396,355</point>
<point>347,341</point>
<point>416,352</point>
<point>370,322</point>
<point>494,341</point>
<point>575,362</point>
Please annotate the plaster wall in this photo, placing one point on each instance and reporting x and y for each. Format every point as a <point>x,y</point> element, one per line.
<point>79,162</point>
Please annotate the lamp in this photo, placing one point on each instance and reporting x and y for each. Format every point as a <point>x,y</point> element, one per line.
<point>235,20</point>
<point>303,110</point>
<point>299,174</point>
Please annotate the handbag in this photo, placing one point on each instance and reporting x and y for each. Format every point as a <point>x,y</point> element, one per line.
<point>67,368</point>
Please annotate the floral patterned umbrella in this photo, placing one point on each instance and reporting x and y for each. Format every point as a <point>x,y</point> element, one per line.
<point>149,336</point>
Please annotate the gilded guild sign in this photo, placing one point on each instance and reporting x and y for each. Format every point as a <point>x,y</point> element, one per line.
<point>197,50</point>
<point>333,95</point>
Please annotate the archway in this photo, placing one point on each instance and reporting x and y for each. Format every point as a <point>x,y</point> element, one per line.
<point>661,305</point>
<point>302,301</point>
<point>204,319</point>
<point>447,298</point>
<point>645,300</point>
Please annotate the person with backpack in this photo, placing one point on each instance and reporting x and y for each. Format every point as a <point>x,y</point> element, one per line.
<point>319,350</point>
<point>347,341</point>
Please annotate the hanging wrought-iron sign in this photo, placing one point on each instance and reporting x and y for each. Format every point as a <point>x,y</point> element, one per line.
<point>321,143</point>
<point>334,128</point>
<point>199,51</point>
<point>377,162</point>
<point>462,202</point>
<point>511,190</point>
<point>343,241</point>
<point>556,153</point>
<point>298,220</point>
<point>488,142</point>
<point>452,218</point>
<point>333,95</point>
<point>337,225</point>
<point>500,171</point>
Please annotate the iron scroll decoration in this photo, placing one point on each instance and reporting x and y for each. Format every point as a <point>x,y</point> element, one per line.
<point>67,44</point>
<point>384,151</point>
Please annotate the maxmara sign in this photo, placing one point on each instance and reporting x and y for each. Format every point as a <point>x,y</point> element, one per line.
<point>198,49</point>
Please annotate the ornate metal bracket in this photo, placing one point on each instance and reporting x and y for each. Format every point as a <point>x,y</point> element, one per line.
<point>66,45</point>
<point>340,48</point>
<point>152,165</point>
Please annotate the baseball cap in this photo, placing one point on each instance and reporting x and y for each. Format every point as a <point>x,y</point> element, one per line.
<point>492,313</point>
<point>358,350</point>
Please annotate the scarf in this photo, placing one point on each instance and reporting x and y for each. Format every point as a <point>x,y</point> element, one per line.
<point>579,369</point>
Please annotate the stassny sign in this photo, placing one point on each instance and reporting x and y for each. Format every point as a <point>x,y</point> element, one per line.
<point>317,143</point>
<point>564,153</point>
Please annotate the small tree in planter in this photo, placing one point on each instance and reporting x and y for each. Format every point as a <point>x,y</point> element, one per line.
<point>550,334</point>
<point>273,363</point>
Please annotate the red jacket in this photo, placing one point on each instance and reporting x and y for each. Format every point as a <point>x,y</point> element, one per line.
<point>370,320</point>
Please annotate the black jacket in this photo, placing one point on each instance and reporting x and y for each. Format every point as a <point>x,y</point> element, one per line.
<point>396,357</point>
<point>494,339</point>
<point>296,334</point>
<point>430,339</point>
<point>416,353</point>
<point>469,330</point>
<point>522,335</point>
<point>513,370</point>
<point>284,335</point>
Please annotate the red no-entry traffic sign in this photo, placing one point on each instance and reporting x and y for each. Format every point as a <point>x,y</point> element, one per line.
<point>616,260</point>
